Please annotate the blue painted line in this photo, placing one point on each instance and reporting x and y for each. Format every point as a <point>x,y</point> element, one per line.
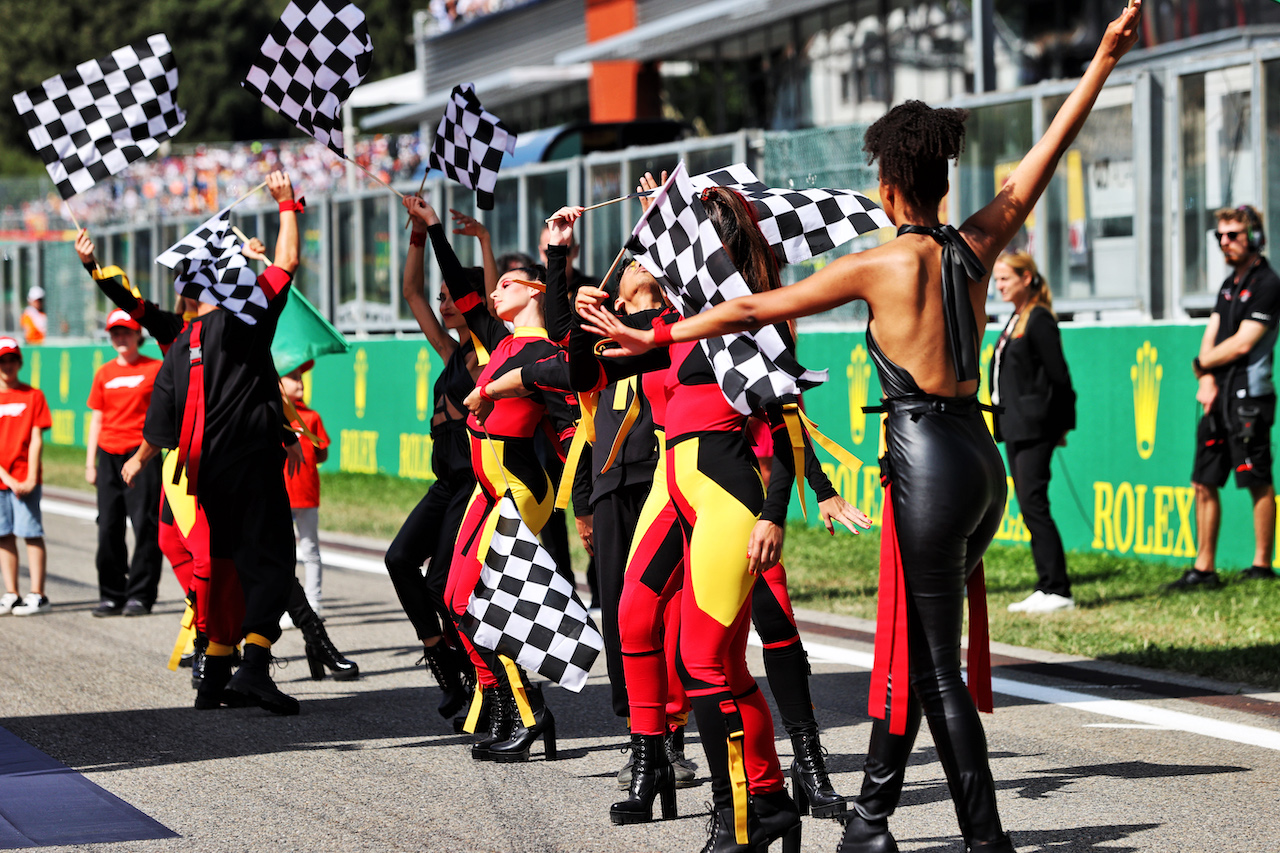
<point>43,802</point>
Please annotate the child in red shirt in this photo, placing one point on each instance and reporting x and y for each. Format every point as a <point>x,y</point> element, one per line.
<point>24,415</point>
<point>304,486</point>
<point>119,398</point>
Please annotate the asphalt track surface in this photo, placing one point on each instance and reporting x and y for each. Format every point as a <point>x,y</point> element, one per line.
<point>1087,756</point>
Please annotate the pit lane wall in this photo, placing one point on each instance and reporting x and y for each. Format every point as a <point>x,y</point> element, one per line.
<point>1121,485</point>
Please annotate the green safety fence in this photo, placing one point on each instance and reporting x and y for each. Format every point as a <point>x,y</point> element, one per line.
<point>1121,485</point>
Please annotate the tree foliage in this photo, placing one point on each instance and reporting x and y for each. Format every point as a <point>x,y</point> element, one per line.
<point>214,43</point>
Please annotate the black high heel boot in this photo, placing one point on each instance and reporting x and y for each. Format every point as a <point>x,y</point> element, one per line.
<point>446,664</point>
<point>320,650</point>
<point>502,713</point>
<point>198,648</point>
<point>809,778</point>
<point>776,816</point>
<point>523,736</point>
<point>867,836</point>
<point>651,777</point>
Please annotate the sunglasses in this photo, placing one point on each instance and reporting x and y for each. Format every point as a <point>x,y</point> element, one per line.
<point>1231,236</point>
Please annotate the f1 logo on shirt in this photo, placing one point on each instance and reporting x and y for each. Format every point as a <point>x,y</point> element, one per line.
<point>124,382</point>
<point>12,410</point>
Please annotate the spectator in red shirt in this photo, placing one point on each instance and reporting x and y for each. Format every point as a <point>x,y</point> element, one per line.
<point>304,485</point>
<point>24,415</point>
<point>119,398</point>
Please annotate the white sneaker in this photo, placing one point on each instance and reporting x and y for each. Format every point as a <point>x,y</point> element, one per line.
<point>7,601</point>
<point>32,604</point>
<point>1027,603</point>
<point>1051,602</point>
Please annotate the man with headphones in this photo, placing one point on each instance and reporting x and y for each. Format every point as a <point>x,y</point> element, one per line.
<point>1234,369</point>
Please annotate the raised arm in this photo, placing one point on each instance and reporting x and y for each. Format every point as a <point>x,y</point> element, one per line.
<point>990,229</point>
<point>472,227</point>
<point>287,246</point>
<point>413,287</point>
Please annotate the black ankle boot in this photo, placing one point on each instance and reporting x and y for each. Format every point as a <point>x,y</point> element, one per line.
<point>775,816</point>
<point>866,836</point>
<point>522,736</point>
<point>684,769</point>
<point>448,666</point>
<point>651,777</point>
<point>320,650</point>
<point>502,712</point>
<point>253,680</point>
<point>722,835</point>
<point>199,646</point>
<point>809,778</point>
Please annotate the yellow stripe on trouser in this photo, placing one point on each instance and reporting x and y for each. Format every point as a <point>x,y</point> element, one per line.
<point>737,771</point>
<point>473,713</point>
<point>654,503</point>
<point>571,467</point>
<point>186,634</point>
<point>517,690</point>
<point>534,512</point>
<point>721,582</point>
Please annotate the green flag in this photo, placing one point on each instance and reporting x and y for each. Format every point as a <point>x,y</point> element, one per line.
<point>302,335</point>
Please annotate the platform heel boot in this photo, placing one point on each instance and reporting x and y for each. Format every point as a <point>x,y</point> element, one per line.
<point>320,650</point>
<point>810,780</point>
<point>776,816</point>
<point>533,719</point>
<point>447,668</point>
<point>732,827</point>
<point>502,713</point>
<point>652,777</point>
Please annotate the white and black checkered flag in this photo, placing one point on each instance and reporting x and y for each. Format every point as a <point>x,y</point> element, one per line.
<point>92,122</point>
<point>210,267</point>
<point>676,242</point>
<point>469,145</point>
<point>800,223</point>
<point>523,608</point>
<point>316,54</point>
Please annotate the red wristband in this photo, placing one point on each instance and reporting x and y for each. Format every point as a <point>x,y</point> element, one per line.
<point>296,205</point>
<point>662,334</point>
<point>484,394</point>
<point>417,238</point>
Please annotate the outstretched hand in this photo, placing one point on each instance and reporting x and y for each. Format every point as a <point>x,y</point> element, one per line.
<point>1122,33</point>
<point>647,184</point>
<point>560,225</point>
<point>589,297</point>
<point>468,226</point>
<point>626,340</point>
<point>838,509</point>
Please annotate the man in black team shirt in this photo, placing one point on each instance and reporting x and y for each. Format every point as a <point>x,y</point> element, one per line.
<point>1234,369</point>
<point>229,430</point>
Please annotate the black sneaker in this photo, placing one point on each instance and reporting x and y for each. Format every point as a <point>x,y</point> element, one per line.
<point>1194,579</point>
<point>134,607</point>
<point>1255,573</point>
<point>107,607</point>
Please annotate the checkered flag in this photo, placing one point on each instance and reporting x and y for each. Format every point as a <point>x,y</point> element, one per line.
<point>91,123</point>
<point>315,55</point>
<point>210,267</point>
<point>469,145</point>
<point>800,223</point>
<point>676,242</point>
<point>524,609</point>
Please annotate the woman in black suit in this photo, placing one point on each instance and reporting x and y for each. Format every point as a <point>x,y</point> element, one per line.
<point>1031,381</point>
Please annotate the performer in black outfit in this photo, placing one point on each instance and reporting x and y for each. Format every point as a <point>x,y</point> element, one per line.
<point>945,488</point>
<point>1030,381</point>
<point>431,528</point>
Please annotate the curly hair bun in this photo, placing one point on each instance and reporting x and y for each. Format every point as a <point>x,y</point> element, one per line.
<point>913,143</point>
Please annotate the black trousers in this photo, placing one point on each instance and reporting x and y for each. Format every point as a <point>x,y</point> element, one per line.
<point>429,533</point>
<point>250,523</point>
<point>614,520</point>
<point>120,579</point>
<point>1029,466</point>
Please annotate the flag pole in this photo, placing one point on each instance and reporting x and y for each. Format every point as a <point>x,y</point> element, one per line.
<point>67,204</point>
<point>375,177</point>
<point>644,194</point>
<point>616,261</point>
<point>245,196</point>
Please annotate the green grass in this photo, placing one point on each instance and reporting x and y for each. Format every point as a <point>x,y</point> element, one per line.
<point>1231,634</point>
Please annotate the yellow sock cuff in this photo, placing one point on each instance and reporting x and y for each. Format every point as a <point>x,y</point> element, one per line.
<point>257,640</point>
<point>218,650</point>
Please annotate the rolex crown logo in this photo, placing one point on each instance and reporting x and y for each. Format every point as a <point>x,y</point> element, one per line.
<point>362,381</point>
<point>422,388</point>
<point>859,373</point>
<point>1146,375</point>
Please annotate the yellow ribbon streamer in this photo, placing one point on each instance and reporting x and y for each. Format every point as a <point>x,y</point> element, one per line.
<point>186,637</point>
<point>473,713</point>
<point>795,431</point>
<point>294,418</point>
<point>517,690</point>
<point>848,459</point>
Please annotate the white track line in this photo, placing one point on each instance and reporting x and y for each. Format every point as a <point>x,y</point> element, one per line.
<point>1122,709</point>
<point>70,510</point>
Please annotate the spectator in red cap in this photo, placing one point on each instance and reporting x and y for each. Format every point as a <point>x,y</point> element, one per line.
<point>24,415</point>
<point>119,398</point>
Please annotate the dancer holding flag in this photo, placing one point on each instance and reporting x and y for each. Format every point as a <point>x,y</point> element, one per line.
<point>946,485</point>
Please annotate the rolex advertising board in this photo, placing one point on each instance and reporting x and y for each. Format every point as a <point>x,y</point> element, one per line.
<point>1121,485</point>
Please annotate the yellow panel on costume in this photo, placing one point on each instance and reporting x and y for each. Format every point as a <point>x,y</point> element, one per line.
<point>718,548</point>
<point>182,504</point>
